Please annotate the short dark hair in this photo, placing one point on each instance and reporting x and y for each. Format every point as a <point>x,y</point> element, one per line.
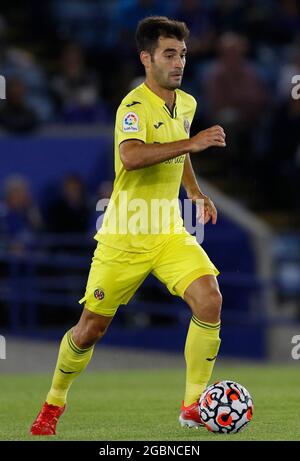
<point>151,28</point>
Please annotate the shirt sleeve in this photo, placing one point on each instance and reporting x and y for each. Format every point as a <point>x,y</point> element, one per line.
<point>131,123</point>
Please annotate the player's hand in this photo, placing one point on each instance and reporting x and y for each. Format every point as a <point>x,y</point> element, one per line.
<point>213,136</point>
<point>206,211</point>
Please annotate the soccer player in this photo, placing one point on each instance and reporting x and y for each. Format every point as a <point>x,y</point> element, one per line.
<point>152,159</point>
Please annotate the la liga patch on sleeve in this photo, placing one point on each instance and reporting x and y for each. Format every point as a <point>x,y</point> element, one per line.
<point>131,122</point>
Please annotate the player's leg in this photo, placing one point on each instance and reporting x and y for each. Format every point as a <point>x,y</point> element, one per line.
<point>90,328</point>
<point>186,270</point>
<point>114,278</point>
<point>75,352</point>
<point>202,343</point>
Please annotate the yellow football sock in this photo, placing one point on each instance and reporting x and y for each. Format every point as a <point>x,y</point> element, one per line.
<point>71,362</point>
<point>201,349</point>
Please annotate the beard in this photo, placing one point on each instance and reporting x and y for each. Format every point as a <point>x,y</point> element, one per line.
<point>169,85</point>
<point>168,82</point>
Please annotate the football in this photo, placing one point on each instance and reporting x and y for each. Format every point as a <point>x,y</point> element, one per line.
<point>226,407</point>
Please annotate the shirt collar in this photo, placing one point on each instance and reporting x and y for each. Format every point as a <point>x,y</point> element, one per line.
<point>158,100</point>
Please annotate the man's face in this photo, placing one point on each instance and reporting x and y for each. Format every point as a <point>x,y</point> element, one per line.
<point>167,63</point>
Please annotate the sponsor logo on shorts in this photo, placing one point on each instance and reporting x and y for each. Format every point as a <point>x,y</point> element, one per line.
<point>99,294</point>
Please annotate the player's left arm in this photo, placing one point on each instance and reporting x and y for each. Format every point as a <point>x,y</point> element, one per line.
<point>193,191</point>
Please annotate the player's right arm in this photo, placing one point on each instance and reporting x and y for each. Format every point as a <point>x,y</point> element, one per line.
<point>136,154</point>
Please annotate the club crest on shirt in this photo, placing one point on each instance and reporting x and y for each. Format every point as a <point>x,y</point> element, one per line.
<point>99,294</point>
<point>186,125</point>
<point>131,122</point>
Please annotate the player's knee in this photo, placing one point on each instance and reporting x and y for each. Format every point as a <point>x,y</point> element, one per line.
<point>88,335</point>
<point>96,332</point>
<point>215,303</point>
<point>208,306</point>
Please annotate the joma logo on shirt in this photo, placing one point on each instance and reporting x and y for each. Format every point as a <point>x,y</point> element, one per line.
<point>133,103</point>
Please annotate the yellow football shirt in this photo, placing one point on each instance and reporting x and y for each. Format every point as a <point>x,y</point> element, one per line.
<point>144,209</point>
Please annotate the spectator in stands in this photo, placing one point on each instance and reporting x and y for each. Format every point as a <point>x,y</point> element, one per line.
<point>16,116</point>
<point>20,217</point>
<point>21,63</point>
<point>69,212</point>
<point>77,88</point>
<point>235,90</point>
<point>235,96</point>
<point>12,58</point>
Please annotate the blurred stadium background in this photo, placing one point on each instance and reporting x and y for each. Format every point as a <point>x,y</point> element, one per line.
<point>67,65</point>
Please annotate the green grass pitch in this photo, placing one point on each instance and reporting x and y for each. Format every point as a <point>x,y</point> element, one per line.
<point>144,405</point>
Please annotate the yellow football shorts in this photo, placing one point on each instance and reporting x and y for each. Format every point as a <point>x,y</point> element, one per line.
<point>115,275</point>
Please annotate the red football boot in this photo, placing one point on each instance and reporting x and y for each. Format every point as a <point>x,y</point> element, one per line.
<point>190,416</point>
<point>46,420</point>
